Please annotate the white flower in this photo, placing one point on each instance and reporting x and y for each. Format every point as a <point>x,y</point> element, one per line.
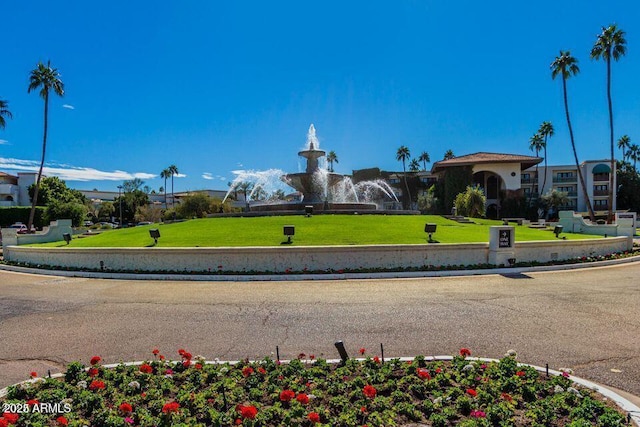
<point>574,391</point>
<point>134,384</point>
<point>82,384</point>
<point>558,389</point>
<point>511,353</point>
<point>468,368</point>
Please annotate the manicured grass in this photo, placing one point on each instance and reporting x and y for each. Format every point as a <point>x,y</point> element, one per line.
<point>314,231</point>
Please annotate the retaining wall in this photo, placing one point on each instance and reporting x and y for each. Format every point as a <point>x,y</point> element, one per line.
<point>301,258</point>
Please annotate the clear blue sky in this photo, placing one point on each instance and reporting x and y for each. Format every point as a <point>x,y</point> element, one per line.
<point>214,86</point>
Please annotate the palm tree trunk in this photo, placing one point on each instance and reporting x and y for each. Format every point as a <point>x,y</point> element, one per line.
<point>404,170</point>
<point>165,193</point>
<point>575,153</point>
<point>544,181</point>
<point>613,165</point>
<point>173,199</point>
<point>34,202</point>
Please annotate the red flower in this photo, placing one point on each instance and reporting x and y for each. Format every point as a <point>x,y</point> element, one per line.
<point>186,363</point>
<point>33,374</point>
<point>238,421</point>
<point>507,397</point>
<point>181,351</point>
<point>93,372</point>
<point>95,360</point>
<point>125,407</point>
<point>96,385</point>
<point>376,359</point>
<point>312,356</point>
<point>147,369</point>
<point>362,350</point>
<point>478,414</point>
<point>472,392</point>
<point>520,373</point>
<point>11,418</point>
<point>170,407</point>
<point>198,366</point>
<point>3,422</point>
<point>302,398</point>
<point>249,412</point>
<point>155,352</point>
<point>423,373</point>
<point>302,356</point>
<point>313,417</point>
<point>62,421</point>
<point>370,391</point>
<point>464,352</point>
<point>247,370</point>
<point>363,409</point>
<point>32,402</point>
<point>262,370</point>
<point>438,370</point>
<point>187,356</point>
<point>287,395</point>
<point>565,374</point>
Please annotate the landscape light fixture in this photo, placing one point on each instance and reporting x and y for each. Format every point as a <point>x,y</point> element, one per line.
<point>308,210</point>
<point>557,230</point>
<point>341,350</point>
<point>430,229</point>
<point>67,237</point>
<point>155,235</point>
<point>289,230</point>
<point>511,261</point>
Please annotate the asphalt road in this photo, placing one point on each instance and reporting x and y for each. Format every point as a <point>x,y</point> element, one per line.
<point>586,320</point>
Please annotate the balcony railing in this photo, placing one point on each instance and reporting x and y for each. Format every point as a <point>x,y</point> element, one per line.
<point>601,178</point>
<point>557,179</point>
<point>600,192</point>
<point>601,207</point>
<point>527,180</point>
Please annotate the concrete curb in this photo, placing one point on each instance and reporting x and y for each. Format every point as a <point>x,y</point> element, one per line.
<point>327,276</point>
<point>626,405</point>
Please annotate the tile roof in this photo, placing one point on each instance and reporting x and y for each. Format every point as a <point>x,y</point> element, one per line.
<point>484,157</point>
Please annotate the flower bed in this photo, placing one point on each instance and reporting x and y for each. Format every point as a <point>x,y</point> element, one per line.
<point>307,392</point>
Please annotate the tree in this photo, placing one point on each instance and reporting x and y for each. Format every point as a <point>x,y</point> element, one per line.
<point>610,44</point>
<point>166,173</point>
<point>555,199</point>
<point>471,203</point>
<point>424,158</point>
<point>546,130</point>
<point>245,188</point>
<point>634,154</point>
<point>566,66</point>
<point>54,189</point>
<point>132,185</point>
<point>106,210</point>
<point>47,79</point>
<point>403,154</point>
<point>173,170</point>
<point>535,144</point>
<point>414,165</point>
<point>195,205</point>
<point>448,155</point>
<point>4,112</point>
<point>624,143</point>
<point>331,158</point>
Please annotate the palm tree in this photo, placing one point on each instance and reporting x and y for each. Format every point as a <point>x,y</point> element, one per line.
<point>165,174</point>
<point>546,130</point>
<point>414,165</point>
<point>403,154</point>
<point>173,170</point>
<point>332,157</point>
<point>424,158</point>
<point>634,154</point>
<point>4,112</point>
<point>47,79</point>
<point>624,143</point>
<point>448,155</point>
<point>610,44</point>
<point>566,66</point>
<point>535,144</point>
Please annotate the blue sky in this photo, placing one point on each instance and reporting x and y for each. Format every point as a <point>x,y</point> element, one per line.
<point>215,87</point>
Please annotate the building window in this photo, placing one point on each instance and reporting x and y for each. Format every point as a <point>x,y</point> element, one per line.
<point>601,176</point>
<point>600,204</point>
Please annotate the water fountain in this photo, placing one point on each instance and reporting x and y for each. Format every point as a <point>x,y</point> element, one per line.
<point>324,190</point>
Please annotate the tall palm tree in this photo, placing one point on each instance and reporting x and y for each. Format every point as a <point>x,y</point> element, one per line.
<point>424,158</point>
<point>47,79</point>
<point>414,165</point>
<point>402,155</point>
<point>610,44</point>
<point>634,154</point>
<point>332,157</point>
<point>535,144</point>
<point>546,130</point>
<point>173,170</point>
<point>165,174</point>
<point>4,112</point>
<point>566,66</point>
<point>448,155</point>
<point>624,143</point>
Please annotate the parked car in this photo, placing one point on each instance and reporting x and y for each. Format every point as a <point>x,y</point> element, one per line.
<point>88,223</point>
<point>22,228</point>
<point>145,223</point>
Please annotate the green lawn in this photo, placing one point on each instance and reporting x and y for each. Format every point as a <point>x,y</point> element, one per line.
<point>314,231</point>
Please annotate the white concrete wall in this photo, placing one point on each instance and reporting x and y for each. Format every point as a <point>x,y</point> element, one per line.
<point>299,258</point>
<point>504,170</point>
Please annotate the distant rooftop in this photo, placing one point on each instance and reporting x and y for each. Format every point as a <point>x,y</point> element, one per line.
<point>484,157</point>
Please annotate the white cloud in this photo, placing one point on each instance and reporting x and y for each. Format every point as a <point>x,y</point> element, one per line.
<point>4,142</point>
<point>180,175</point>
<point>68,106</point>
<point>71,173</point>
<point>207,175</point>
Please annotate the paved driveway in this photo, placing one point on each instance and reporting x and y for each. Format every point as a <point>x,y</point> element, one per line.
<point>586,320</point>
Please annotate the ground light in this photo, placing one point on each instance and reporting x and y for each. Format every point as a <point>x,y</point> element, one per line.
<point>289,230</point>
<point>557,230</point>
<point>67,237</point>
<point>430,229</point>
<point>155,235</point>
